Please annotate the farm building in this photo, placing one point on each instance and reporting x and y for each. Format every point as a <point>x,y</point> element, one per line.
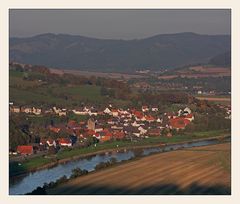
<point>25,149</point>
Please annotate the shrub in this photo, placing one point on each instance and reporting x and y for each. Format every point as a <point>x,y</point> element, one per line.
<point>103,165</point>
<point>38,191</point>
<point>113,160</point>
<point>61,180</point>
<point>78,172</point>
<point>138,152</point>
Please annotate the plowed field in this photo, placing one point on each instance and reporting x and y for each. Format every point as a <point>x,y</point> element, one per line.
<point>200,170</point>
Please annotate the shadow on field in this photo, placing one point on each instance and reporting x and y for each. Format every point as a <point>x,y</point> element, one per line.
<point>167,189</point>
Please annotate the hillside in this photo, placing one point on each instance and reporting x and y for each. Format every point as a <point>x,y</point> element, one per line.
<point>223,59</point>
<point>83,53</point>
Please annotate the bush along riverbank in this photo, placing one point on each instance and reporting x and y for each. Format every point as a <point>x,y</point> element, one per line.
<point>77,172</point>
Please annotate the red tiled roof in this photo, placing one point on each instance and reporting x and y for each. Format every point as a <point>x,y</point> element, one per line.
<point>179,123</point>
<point>71,123</point>
<point>149,118</point>
<point>105,138</point>
<point>189,116</point>
<point>25,149</point>
<point>106,130</point>
<point>82,122</point>
<point>108,134</point>
<point>119,134</point>
<point>97,134</point>
<point>91,132</point>
<point>154,132</point>
<point>138,114</point>
<point>55,129</point>
<point>64,141</point>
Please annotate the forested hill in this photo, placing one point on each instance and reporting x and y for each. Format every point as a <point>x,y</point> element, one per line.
<point>223,59</point>
<point>83,53</point>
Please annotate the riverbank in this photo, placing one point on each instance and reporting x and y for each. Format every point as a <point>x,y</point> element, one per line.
<point>40,163</point>
<point>62,172</point>
<point>198,170</point>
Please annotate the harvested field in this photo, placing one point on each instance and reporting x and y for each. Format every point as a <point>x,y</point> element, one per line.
<point>204,75</point>
<point>97,74</point>
<point>200,170</point>
<point>190,75</point>
<point>214,98</point>
<point>56,71</point>
<point>168,77</point>
<point>210,69</point>
<point>200,72</point>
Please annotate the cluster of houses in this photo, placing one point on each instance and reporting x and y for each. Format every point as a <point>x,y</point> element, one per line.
<point>117,124</point>
<point>227,109</point>
<point>24,109</point>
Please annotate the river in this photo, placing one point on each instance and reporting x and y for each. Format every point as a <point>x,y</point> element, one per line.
<point>29,182</point>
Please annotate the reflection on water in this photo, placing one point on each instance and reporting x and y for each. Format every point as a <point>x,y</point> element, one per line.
<point>29,182</point>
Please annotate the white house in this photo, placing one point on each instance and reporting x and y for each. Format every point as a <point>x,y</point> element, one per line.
<point>187,110</point>
<point>137,134</point>
<point>93,113</point>
<point>107,111</point>
<point>27,110</point>
<point>80,112</point>
<point>142,130</point>
<point>159,120</point>
<point>15,109</point>
<point>98,129</point>
<point>135,124</point>
<point>154,109</point>
<point>62,113</point>
<point>145,109</point>
<point>180,112</point>
<point>56,110</point>
<point>114,113</point>
<point>86,109</point>
<point>36,111</point>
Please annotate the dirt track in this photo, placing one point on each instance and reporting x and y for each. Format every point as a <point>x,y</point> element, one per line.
<point>214,99</point>
<point>113,75</point>
<point>201,170</point>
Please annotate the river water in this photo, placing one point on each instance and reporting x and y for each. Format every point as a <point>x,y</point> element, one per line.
<point>31,181</point>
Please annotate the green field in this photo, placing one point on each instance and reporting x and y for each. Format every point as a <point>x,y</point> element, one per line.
<point>25,92</point>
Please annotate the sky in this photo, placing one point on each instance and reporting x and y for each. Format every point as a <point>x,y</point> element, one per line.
<point>118,24</point>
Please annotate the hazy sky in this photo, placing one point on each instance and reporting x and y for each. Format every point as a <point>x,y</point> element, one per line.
<point>118,24</point>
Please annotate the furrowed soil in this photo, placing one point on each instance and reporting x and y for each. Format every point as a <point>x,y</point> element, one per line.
<point>200,170</point>
<point>227,99</point>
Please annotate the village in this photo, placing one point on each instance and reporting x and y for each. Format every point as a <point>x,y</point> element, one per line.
<point>105,125</point>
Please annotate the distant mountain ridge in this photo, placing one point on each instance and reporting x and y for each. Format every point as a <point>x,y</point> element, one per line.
<point>84,53</point>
